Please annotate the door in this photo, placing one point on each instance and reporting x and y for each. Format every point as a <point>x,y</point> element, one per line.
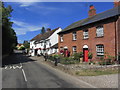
<point>85,51</point>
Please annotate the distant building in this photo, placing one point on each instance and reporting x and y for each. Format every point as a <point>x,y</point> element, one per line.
<point>45,43</point>
<point>98,34</point>
<point>19,46</point>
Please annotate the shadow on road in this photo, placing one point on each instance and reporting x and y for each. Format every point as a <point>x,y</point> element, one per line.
<point>15,58</point>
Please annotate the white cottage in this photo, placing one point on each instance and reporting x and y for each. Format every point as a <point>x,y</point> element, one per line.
<point>45,43</point>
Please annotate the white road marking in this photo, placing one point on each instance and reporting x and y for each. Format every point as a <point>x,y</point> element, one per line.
<point>5,67</point>
<point>13,67</point>
<point>23,72</point>
<point>24,75</point>
<point>10,67</point>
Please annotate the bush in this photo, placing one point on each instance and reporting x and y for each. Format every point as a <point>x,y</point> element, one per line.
<point>108,61</point>
<point>119,56</point>
<point>90,55</point>
<point>81,54</point>
<point>68,60</point>
<point>76,56</point>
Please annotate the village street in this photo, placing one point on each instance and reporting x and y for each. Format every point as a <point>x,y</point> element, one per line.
<point>19,71</point>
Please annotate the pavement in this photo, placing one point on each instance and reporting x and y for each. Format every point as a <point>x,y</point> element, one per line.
<point>20,71</point>
<point>102,81</point>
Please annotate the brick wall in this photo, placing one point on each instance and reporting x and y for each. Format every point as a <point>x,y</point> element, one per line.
<point>108,40</point>
<point>118,33</point>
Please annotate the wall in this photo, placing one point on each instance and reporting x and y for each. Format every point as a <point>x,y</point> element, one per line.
<point>108,40</point>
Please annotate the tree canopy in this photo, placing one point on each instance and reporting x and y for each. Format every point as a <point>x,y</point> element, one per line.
<point>26,44</point>
<point>9,38</point>
<point>43,30</point>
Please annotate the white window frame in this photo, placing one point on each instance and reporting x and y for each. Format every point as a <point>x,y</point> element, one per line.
<point>74,35</point>
<point>61,38</point>
<point>41,44</point>
<point>100,50</point>
<point>99,31</point>
<point>85,34</point>
<point>74,49</point>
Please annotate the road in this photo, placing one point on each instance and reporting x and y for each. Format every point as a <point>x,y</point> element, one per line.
<point>19,71</point>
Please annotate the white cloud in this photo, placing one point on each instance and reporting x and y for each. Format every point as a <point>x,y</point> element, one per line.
<point>22,27</point>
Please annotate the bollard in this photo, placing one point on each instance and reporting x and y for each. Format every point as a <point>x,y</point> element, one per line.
<point>56,61</point>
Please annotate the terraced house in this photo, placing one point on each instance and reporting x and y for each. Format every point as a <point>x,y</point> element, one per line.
<point>98,34</point>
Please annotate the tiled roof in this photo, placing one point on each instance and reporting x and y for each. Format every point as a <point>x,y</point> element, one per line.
<point>44,36</point>
<point>55,46</point>
<point>101,16</point>
<point>36,37</point>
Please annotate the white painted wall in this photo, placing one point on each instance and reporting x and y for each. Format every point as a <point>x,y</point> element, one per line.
<point>53,39</point>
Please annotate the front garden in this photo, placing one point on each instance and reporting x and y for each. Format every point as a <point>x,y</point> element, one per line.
<point>75,65</point>
<point>77,58</point>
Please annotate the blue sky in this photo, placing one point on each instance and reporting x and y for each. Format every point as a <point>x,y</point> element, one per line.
<point>29,17</point>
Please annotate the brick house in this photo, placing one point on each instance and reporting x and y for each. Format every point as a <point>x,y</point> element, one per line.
<point>98,34</point>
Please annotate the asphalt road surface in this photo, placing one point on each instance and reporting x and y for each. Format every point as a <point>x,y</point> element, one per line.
<point>19,71</point>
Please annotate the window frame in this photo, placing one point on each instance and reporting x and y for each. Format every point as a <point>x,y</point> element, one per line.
<point>61,38</point>
<point>100,50</point>
<point>74,51</point>
<point>100,33</point>
<point>74,36</point>
<point>85,34</point>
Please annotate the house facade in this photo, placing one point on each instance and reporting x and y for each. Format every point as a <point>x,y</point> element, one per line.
<point>45,43</point>
<point>98,34</point>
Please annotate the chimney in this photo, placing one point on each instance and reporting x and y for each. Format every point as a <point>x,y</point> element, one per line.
<point>48,29</point>
<point>92,11</point>
<point>116,3</point>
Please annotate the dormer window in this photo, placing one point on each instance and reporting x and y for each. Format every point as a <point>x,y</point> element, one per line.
<point>99,31</point>
<point>85,34</point>
<point>61,38</point>
<point>74,36</point>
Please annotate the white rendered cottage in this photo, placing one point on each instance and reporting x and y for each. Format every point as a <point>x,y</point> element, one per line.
<point>45,43</point>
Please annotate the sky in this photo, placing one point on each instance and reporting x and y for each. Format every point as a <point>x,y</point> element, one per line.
<point>30,17</point>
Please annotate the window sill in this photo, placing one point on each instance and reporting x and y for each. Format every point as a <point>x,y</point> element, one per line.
<point>85,38</point>
<point>61,42</point>
<point>74,40</point>
<point>99,36</point>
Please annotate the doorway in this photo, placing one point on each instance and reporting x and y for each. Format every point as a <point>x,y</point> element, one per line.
<point>85,53</point>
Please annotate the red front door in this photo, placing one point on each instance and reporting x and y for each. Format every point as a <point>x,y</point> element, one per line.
<point>85,55</point>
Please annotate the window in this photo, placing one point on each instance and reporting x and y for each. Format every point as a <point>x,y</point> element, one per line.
<point>74,36</point>
<point>100,50</point>
<point>41,43</point>
<point>100,31</point>
<point>74,48</point>
<point>85,34</point>
<point>61,38</point>
<point>46,42</point>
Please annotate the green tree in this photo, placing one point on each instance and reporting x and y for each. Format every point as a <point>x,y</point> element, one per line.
<point>26,44</point>
<point>43,30</point>
<point>9,38</point>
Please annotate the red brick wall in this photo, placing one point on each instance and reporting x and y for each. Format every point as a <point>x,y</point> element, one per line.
<point>108,40</point>
<point>118,33</point>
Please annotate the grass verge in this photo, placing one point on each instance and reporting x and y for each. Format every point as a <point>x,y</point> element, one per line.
<point>95,72</point>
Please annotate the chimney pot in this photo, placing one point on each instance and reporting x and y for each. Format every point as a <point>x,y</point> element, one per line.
<point>92,10</point>
<point>116,3</point>
<point>91,7</point>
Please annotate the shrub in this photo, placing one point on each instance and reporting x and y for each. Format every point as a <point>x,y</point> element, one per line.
<point>107,61</point>
<point>90,55</point>
<point>81,54</point>
<point>76,56</point>
<point>119,57</point>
